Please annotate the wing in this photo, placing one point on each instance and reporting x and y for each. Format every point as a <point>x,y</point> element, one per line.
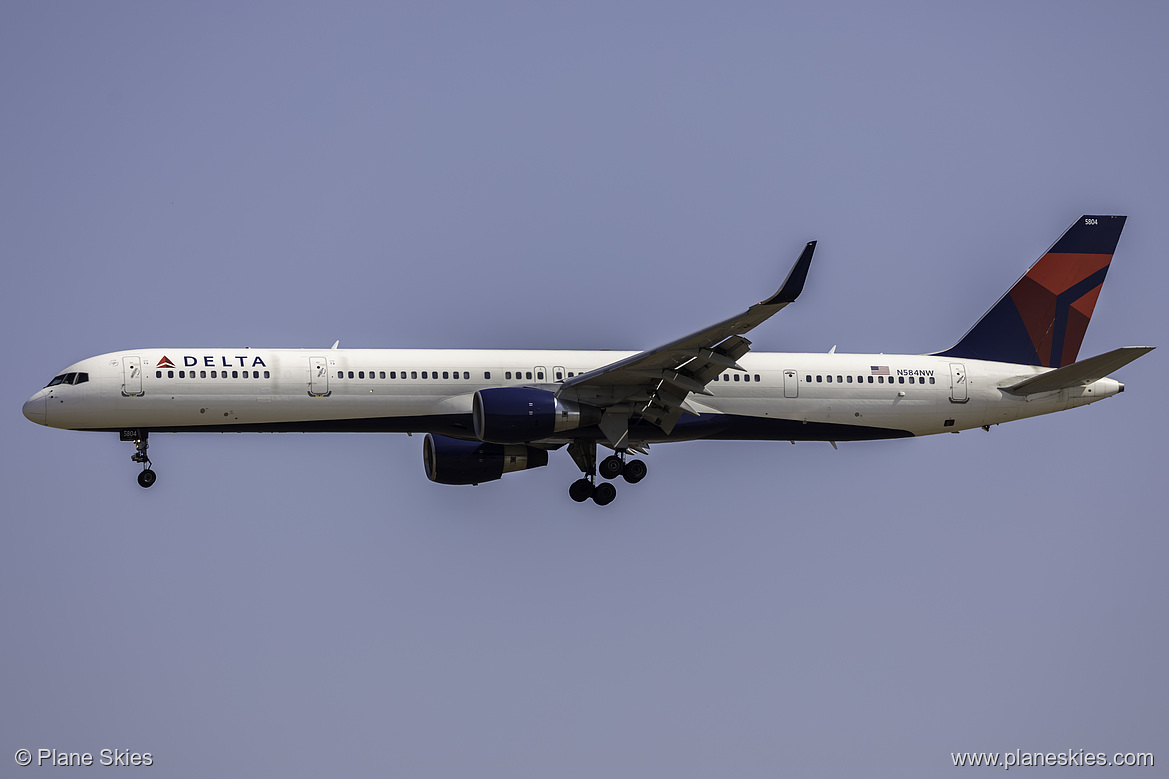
<point>654,384</point>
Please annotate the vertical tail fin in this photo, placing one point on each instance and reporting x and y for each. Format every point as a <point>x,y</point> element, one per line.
<point>1043,318</point>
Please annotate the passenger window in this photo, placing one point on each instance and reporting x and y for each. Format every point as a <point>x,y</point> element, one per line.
<point>900,379</point>
<point>466,374</point>
<point>830,378</point>
<point>850,379</point>
<point>880,379</point>
<point>267,375</point>
<point>393,374</point>
<point>756,377</point>
<point>529,375</point>
<point>559,375</point>
<point>910,379</point>
<point>507,375</point>
<point>170,374</point>
<point>487,374</point>
<point>182,374</point>
<point>351,374</point>
<point>736,377</point>
<point>540,375</point>
<point>839,379</point>
<point>870,380</point>
<point>446,374</point>
<point>255,374</point>
<point>819,379</point>
<point>571,374</point>
<point>157,375</point>
<point>414,374</point>
<point>931,379</point>
<point>235,374</point>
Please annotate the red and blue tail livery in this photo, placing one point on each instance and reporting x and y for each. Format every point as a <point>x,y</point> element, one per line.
<point>1042,319</point>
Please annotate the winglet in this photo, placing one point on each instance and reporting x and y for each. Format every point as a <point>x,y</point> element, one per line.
<point>793,285</point>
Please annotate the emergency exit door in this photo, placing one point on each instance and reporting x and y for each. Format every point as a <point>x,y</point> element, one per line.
<point>791,384</point>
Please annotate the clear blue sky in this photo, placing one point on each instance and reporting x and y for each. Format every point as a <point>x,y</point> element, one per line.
<point>603,175</point>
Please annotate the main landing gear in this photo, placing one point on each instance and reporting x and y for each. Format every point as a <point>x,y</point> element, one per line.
<point>584,454</point>
<point>139,437</point>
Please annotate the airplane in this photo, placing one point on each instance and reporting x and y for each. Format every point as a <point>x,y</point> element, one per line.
<point>486,413</point>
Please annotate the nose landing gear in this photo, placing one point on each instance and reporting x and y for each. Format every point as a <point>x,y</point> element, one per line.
<point>140,438</point>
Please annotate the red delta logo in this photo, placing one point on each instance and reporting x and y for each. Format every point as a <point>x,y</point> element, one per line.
<point>165,363</point>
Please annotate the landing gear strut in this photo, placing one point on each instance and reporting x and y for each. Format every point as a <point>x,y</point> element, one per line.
<point>584,454</point>
<point>141,443</point>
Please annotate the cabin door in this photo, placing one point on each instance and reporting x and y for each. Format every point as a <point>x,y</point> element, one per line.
<point>318,376</point>
<point>959,392</point>
<point>131,376</point>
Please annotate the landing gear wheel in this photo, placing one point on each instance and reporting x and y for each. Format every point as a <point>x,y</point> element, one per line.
<point>147,477</point>
<point>610,467</point>
<point>634,471</point>
<point>580,490</point>
<point>604,493</point>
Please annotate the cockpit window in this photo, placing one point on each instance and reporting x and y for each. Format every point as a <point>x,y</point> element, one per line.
<point>69,378</point>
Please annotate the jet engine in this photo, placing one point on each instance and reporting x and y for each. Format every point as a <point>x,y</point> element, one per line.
<point>454,461</point>
<point>513,415</point>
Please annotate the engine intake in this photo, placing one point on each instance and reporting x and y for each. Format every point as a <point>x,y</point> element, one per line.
<point>514,415</point>
<point>454,461</point>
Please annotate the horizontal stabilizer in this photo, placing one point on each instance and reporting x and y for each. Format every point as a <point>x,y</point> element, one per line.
<point>1081,373</point>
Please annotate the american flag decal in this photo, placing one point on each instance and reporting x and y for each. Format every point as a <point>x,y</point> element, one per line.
<point>879,370</point>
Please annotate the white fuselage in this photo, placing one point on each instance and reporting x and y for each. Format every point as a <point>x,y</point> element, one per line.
<point>780,396</point>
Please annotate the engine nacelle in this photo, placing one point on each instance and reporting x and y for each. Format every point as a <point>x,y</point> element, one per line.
<point>453,461</point>
<point>514,415</point>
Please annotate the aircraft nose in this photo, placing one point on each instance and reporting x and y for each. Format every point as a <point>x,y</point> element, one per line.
<point>35,408</point>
